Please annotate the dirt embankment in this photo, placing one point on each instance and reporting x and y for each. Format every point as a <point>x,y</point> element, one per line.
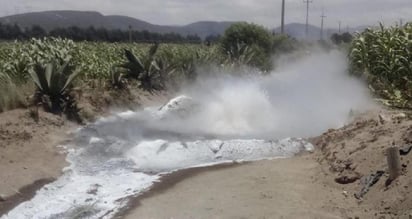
<point>300,187</point>
<point>28,154</point>
<point>356,151</point>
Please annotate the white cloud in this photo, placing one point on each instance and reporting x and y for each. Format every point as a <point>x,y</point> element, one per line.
<point>265,12</point>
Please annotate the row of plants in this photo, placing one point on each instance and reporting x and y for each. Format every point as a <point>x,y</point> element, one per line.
<point>384,56</point>
<point>56,65</point>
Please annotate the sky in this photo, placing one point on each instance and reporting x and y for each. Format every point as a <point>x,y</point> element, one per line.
<point>351,13</point>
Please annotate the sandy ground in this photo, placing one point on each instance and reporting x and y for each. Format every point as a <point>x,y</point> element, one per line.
<point>299,187</point>
<point>268,189</point>
<point>29,157</point>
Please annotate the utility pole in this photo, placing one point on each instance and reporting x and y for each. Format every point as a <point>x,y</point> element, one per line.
<point>307,16</point>
<point>401,22</point>
<point>340,23</point>
<point>282,28</point>
<point>130,33</point>
<point>321,24</point>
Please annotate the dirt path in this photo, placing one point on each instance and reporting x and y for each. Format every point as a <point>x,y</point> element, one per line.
<point>299,187</point>
<point>267,189</point>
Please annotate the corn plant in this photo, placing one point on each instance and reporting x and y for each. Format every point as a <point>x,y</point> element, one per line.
<point>384,57</point>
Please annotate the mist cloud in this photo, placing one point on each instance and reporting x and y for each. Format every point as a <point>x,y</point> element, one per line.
<point>304,97</point>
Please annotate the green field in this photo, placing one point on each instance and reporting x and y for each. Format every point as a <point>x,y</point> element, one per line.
<point>383,56</point>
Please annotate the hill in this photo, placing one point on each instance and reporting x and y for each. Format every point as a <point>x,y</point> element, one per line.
<point>53,19</point>
<point>84,19</point>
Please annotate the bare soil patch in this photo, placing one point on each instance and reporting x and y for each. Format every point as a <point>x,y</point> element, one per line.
<point>28,153</point>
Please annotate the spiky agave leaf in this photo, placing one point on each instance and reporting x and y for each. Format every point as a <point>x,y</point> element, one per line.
<point>134,66</point>
<point>53,81</point>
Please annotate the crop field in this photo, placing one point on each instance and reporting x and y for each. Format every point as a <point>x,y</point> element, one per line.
<point>94,60</point>
<point>56,65</point>
<point>105,63</point>
<point>384,57</point>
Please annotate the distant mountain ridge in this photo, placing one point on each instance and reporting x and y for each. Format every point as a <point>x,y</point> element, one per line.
<point>84,19</point>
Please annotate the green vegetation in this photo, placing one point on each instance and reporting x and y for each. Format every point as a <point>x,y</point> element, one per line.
<point>253,44</point>
<point>10,96</point>
<point>341,38</point>
<point>54,82</point>
<point>45,71</point>
<point>384,57</point>
<point>49,68</point>
<point>148,69</point>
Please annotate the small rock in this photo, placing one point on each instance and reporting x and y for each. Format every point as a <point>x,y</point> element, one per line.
<point>383,119</point>
<point>347,179</point>
<point>399,116</point>
<point>2,198</point>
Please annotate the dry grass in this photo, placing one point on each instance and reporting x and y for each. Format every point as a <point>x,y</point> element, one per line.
<point>13,96</point>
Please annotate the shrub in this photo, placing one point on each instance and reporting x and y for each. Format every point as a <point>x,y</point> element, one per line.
<point>247,34</point>
<point>248,44</point>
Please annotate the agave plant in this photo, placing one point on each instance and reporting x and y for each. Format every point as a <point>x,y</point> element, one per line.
<point>149,69</point>
<point>54,83</point>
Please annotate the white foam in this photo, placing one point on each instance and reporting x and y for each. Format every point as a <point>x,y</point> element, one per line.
<point>162,156</point>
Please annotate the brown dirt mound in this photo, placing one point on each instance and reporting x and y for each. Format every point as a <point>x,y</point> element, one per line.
<point>358,150</point>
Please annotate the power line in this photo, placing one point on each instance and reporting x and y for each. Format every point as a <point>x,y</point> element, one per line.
<point>307,16</point>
